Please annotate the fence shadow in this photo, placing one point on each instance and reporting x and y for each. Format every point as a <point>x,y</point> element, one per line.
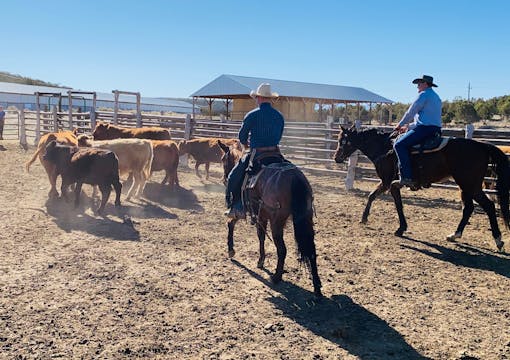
<point>469,256</point>
<point>339,320</point>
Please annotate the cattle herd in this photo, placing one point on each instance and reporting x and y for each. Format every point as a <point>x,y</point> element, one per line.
<point>115,152</point>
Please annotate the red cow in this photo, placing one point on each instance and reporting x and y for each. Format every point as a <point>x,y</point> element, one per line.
<point>205,151</point>
<point>166,157</point>
<point>85,166</point>
<point>105,131</point>
<point>61,137</point>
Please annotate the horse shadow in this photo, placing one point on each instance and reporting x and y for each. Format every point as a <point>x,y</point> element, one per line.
<point>339,320</point>
<point>68,218</point>
<point>469,256</point>
<point>178,197</point>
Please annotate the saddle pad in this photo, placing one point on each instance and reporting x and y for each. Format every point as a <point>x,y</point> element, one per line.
<point>430,146</point>
<point>283,166</point>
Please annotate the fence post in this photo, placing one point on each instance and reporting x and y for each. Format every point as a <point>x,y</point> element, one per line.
<point>37,120</point>
<point>470,129</point>
<point>70,97</point>
<point>22,130</point>
<point>187,136</point>
<point>92,118</point>
<point>55,119</point>
<point>329,123</point>
<point>351,165</point>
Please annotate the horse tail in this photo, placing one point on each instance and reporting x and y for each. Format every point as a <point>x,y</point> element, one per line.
<point>302,218</point>
<point>502,169</point>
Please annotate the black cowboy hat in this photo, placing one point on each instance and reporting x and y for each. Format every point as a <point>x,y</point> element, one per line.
<point>425,78</point>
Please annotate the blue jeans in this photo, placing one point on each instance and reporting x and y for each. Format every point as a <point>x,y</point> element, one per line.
<point>403,147</point>
<point>235,182</point>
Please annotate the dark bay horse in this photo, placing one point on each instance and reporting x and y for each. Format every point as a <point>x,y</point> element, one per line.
<point>281,191</point>
<point>464,160</point>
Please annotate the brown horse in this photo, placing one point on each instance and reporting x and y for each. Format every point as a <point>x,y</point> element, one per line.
<point>465,160</point>
<point>281,190</point>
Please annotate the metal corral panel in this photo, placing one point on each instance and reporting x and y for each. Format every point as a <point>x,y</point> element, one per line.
<point>21,94</point>
<point>240,86</point>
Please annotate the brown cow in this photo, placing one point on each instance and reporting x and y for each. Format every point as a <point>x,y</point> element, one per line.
<point>85,166</point>
<point>166,157</point>
<point>205,151</point>
<point>106,131</point>
<point>61,137</point>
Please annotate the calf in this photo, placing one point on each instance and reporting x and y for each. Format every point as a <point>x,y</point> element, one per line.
<point>135,156</point>
<point>85,166</point>
<point>166,157</point>
<point>206,151</point>
<point>61,137</point>
<point>106,131</point>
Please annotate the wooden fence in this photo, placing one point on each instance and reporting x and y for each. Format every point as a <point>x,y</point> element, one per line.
<point>310,145</point>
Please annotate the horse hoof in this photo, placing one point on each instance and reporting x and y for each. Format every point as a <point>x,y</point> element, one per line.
<point>399,233</point>
<point>260,265</point>
<point>500,244</point>
<point>231,253</point>
<point>363,221</point>
<point>454,236</point>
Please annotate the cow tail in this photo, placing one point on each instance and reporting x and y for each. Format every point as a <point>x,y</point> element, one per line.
<point>30,162</point>
<point>503,180</point>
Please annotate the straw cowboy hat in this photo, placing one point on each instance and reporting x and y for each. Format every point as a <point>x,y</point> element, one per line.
<point>264,90</point>
<point>425,78</point>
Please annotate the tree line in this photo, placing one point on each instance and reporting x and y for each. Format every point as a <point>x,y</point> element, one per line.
<point>458,111</point>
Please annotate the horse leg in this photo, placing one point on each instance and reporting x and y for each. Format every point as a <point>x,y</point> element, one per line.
<point>207,170</point>
<point>490,209</point>
<point>373,195</point>
<point>261,233</point>
<point>397,199</point>
<point>230,237</point>
<point>281,250</point>
<point>467,210</point>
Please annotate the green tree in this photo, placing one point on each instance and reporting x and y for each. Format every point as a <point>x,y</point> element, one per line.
<point>465,112</point>
<point>485,109</point>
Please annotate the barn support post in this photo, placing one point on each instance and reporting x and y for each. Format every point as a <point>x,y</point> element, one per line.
<point>353,161</point>
<point>55,118</point>
<point>470,129</point>
<point>70,110</point>
<point>22,129</point>
<point>37,119</point>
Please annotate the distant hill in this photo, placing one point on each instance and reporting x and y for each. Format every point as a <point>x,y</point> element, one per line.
<point>13,78</point>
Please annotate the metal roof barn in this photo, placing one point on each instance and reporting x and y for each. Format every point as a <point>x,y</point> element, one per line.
<point>297,100</point>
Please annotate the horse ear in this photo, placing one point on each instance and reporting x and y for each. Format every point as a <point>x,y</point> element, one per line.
<point>223,147</point>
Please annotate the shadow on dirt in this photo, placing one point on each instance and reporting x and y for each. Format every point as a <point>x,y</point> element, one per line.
<point>468,256</point>
<point>179,197</point>
<point>115,223</point>
<point>339,320</point>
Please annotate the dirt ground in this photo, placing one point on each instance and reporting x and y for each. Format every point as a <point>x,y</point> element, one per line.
<point>154,280</point>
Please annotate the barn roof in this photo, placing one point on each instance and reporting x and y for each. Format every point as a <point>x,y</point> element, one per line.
<point>233,86</point>
<point>23,89</point>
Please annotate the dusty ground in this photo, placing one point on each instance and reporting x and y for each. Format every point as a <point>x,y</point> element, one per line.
<point>76,285</point>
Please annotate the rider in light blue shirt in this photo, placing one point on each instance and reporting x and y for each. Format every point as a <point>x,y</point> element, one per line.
<point>425,114</point>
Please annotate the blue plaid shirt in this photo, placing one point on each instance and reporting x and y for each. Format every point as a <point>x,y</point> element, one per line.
<point>263,125</point>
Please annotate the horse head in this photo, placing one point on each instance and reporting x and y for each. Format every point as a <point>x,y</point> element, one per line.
<point>231,156</point>
<point>346,144</point>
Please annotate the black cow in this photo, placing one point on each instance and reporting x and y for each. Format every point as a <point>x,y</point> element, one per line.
<point>86,165</point>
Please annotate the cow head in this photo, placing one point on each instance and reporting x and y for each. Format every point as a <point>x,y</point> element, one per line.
<point>84,141</point>
<point>57,153</point>
<point>101,131</point>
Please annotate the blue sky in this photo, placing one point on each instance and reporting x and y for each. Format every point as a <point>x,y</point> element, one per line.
<point>173,48</point>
